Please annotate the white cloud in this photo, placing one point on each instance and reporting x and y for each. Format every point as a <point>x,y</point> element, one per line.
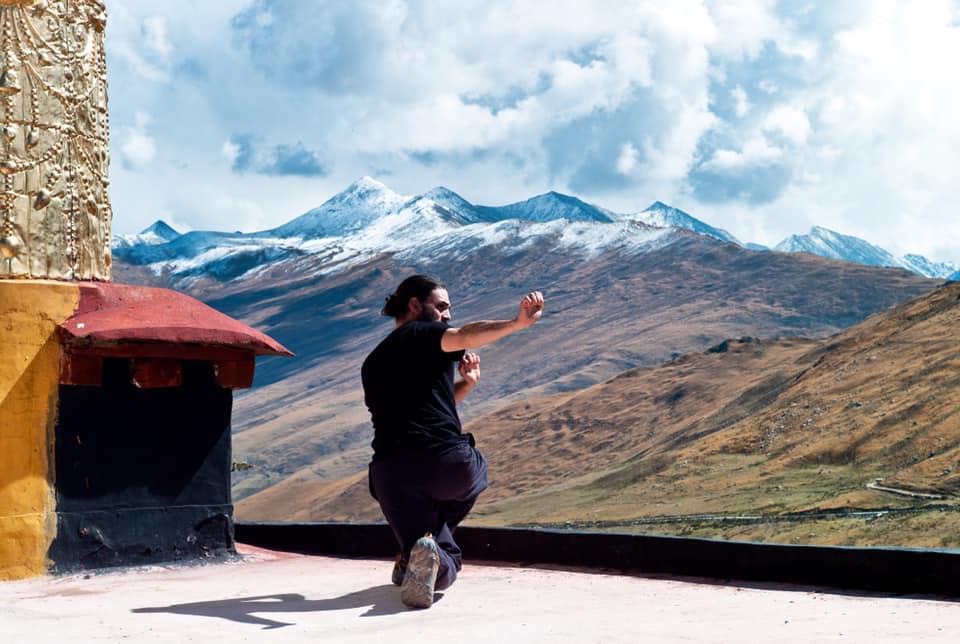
<point>627,160</point>
<point>142,120</point>
<point>755,152</point>
<point>143,69</point>
<point>746,26</point>
<point>769,86</point>
<point>789,121</point>
<point>230,151</point>
<point>502,99</point>
<point>741,102</point>
<point>137,147</point>
<point>155,35</point>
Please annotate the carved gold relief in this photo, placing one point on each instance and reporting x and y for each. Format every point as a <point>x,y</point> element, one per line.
<point>55,213</point>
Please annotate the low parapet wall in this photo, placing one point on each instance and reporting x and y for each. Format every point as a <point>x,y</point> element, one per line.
<point>896,570</point>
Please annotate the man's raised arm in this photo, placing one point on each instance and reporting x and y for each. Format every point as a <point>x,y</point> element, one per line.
<point>474,335</point>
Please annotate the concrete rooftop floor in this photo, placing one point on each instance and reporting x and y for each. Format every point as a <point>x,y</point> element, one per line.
<point>267,596</point>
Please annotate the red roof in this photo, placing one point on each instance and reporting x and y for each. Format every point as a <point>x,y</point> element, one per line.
<point>111,315</point>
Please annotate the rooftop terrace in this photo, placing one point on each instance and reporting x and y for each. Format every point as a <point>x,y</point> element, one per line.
<point>267,595</point>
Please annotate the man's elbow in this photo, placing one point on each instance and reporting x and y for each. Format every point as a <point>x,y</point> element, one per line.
<point>453,340</point>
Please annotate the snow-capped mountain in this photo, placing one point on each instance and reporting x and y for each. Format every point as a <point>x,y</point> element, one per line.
<point>552,206</point>
<point>828,243</point>
<point>368,218</point>
<point>160,232</point>
<point>661,215</point>
<point>923,266</point>
<point>362,203</point>
<point>459,208</point>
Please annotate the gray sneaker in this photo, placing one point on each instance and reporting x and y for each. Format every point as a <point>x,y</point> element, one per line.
<point>417,588</point>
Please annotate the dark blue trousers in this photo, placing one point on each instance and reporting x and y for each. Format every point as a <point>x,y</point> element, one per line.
<point>429,493</point>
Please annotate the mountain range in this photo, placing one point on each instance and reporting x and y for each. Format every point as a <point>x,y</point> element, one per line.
<point>623,291</point>
<point>368,217</point>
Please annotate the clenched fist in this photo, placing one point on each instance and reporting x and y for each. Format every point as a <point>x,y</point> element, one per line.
<point>531,308</point>
<point>470,368</point>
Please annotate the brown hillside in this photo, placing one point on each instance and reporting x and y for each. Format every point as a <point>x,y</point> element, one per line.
<point>604,315</point>
<point>750,427</point>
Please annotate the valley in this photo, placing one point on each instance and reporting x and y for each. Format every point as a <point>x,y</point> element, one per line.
<point>852,440</point>
<point>679,381</point>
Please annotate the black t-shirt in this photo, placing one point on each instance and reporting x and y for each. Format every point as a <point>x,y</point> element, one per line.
<point>408,388</point>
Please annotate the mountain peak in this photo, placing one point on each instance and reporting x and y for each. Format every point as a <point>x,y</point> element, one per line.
<point>362,202</point>
<point>161,229</point>
<point>663,215</point>
<point>659,205</point>
<point>442,194</point>
<point>829,243</point>
<point>554,205</point>
<point>366,183</point>
<point>441,190</point>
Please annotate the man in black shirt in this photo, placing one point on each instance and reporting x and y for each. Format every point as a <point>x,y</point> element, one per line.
<point>425,472</point>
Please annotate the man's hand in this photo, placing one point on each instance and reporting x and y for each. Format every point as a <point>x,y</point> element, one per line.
<point>470,368</point>
<point>531,308</point>
<point>470,372</point>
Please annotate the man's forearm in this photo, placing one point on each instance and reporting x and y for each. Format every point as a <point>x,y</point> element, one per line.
<point>474,335</point>
<point>460,390</point>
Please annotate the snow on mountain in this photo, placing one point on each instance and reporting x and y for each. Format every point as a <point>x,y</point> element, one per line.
<point>509,236</point>
<point>368,219</point>
<point>827,243</point>
<point>411,226</point>
<point>551,206</point>
<point>460,209</point>
<point>661,215</point>
<point>923,266</point>
<point>362,203</point>
<point>160,232</point>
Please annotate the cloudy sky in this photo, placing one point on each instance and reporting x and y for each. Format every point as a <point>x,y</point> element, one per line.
<point>761,117</point>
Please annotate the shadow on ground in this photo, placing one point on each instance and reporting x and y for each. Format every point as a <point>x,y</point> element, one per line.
<point>382,600</point>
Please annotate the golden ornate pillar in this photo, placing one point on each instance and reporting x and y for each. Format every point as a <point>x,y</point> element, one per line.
<point>75,491</point>
<point>55,213</point>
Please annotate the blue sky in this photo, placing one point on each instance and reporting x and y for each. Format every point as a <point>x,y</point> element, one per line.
<point>761,117</point>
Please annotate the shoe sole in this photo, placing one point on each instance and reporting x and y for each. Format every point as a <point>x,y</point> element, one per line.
<point>421,576</point>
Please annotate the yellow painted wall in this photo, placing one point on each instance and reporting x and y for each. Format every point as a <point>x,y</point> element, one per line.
<point>30,311</point>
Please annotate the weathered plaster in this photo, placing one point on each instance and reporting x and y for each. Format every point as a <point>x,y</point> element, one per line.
<point>30,311</point>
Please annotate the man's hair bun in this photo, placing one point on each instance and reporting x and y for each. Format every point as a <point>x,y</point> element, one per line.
<point>418,286</point>
<point>390,306</point>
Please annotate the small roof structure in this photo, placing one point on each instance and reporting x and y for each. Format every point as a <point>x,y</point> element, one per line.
<point>111,314</point>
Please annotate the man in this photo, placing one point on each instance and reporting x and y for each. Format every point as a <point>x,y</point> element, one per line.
<point>425,472</point>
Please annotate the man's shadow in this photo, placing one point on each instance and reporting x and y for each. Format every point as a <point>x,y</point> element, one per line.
<point>382,600</point>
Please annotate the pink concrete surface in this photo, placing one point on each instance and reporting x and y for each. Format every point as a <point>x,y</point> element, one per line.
<point>111,313</point>
<point>280,597</point>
